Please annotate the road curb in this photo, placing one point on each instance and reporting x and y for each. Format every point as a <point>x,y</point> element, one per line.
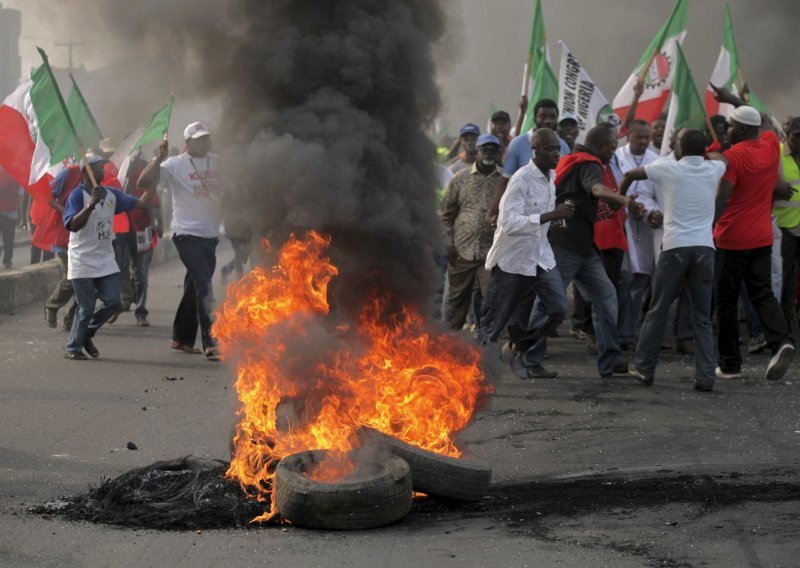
<point>34,283</point>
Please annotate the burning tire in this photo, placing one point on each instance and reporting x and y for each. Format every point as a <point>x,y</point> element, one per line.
<point>382,495</point>
<point>440,476</point>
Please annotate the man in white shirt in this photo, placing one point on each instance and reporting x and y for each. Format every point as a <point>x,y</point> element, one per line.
<point>194,178</point>
<point>644,233</point>
<point>689,187</point>
<point>92,266</point>
<point>521,259</point>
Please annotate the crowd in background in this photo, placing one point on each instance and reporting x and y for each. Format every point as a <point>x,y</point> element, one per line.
<point>628,236</point>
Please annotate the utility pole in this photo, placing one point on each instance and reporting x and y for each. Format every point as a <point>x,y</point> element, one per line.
<point>69,45</point>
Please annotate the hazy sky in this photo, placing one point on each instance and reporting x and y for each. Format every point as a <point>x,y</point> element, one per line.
<point>482,57</point>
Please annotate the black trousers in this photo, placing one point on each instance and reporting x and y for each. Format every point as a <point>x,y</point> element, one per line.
<point>754,267</point>
<point>790,255</point>
<point>198,255</point>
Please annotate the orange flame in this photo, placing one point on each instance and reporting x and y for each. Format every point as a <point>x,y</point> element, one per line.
<point>308,382</point>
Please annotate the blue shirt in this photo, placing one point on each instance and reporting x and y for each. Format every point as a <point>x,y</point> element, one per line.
<point>520,153</point>
<point>125,202</point>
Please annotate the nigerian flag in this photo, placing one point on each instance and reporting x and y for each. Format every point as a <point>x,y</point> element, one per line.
<point>686,109</point>
<point>38,134</point>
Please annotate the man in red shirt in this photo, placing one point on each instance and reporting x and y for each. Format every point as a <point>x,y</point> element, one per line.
<point>743,236</point>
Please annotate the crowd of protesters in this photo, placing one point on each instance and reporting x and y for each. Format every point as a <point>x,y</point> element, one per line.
<point>532,220</point>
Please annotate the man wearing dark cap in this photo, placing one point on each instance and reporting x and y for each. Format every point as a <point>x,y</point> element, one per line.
<point>744,237</point>
<point>89,216</point>
<point>467,235</point>
<point>500,128</point>
<point>469,149</point>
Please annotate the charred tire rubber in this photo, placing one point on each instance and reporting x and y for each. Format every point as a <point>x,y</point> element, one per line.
<point>381,497</point>
<point>441,476</point>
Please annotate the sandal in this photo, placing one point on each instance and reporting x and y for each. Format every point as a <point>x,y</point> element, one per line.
<point>212,354</point>
<point>185,348</point>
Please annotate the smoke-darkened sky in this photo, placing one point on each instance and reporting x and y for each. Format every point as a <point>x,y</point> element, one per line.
<point>483,57</point>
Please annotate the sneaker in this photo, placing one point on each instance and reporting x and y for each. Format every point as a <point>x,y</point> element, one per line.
<point>620,368</point>
<point>684,346</point>
<point>780,362</point>
<point>539,372</point>
<point>703,387</point>
<point>142,322</point>
<point>51,317</point>
<point>90,347</point>
<point>508,350</point>
<point>113,318</point>
<point>727,374</point>
<point>757,344</point>
<point>639,376</point>
<point>79,356</point>
<point>577,333</point>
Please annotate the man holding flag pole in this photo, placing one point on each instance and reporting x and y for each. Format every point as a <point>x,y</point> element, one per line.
<point>197,189</point>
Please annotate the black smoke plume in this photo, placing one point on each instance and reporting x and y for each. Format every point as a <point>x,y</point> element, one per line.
<point>323,110</point>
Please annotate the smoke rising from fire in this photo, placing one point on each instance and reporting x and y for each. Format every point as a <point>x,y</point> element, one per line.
<point>323,106</point>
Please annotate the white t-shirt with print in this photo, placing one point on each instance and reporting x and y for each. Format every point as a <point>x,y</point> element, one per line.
<point>91,252</point>
<point>196,194</point>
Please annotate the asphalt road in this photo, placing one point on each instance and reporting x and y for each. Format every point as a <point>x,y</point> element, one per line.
<point>587,472</point>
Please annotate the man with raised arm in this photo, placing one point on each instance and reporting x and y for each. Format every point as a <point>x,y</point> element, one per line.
<point>689,188</point>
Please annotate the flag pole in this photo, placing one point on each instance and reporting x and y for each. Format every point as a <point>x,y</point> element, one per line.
<point>526,76</point>
<point>63,105</point>
<point>711,129</point>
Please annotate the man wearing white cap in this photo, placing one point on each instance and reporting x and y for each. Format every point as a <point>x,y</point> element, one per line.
<point>194,178</point>
<point>93,270</point>
<point>744,237</point>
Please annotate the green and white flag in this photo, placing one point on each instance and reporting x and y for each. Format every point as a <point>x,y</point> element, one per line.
<point>158,125</point>
<point>686,108</point>
<point>538,70</point>
<point>82,118</point>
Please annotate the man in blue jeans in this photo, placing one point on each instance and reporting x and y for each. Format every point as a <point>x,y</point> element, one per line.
<point>689,188</point>
<point>583,178</point>
<point>520,258</point>
<point>194,178</point>
<point>93,270</point>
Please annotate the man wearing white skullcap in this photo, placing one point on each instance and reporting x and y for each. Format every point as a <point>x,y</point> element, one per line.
<point>743,236</point>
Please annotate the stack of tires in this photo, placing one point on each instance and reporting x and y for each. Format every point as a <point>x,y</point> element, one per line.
<point>383,491</point>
